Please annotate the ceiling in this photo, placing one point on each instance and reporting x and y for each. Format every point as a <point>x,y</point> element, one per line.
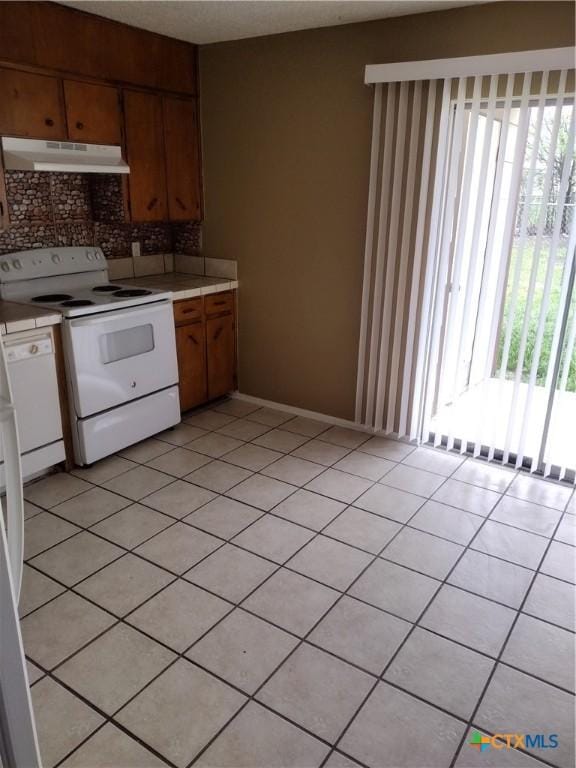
<point>211,21</point>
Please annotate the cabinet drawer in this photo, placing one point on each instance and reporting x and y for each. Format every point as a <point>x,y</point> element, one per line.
<point>187,311</point>
<point>217,303</point>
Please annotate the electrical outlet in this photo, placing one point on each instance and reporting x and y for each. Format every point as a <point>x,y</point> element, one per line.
<point>135,249</point>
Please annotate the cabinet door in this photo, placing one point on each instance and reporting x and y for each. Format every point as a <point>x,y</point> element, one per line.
<point>191,351</point>
<point>92,112</point>
<point>145,152</point>
<point>182,159</point>
<point>30,105</point>
<point>221,355</point>
<point>16,42</point>
<point>56,37</point>
<point>4,218</point>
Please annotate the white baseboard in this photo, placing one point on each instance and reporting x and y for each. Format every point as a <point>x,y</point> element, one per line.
<point>321,417</point>
<point>302,412</point>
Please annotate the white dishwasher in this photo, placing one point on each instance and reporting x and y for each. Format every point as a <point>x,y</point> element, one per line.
<point>31,363</point>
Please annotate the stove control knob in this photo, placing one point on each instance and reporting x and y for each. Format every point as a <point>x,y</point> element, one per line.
<point>90,255</point>
<point>5,266</point>
<point>98,254</point>
<point>56,258</point>
<point>17,264</point>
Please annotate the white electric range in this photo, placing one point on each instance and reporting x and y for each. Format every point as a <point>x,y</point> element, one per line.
<point>119,345</point>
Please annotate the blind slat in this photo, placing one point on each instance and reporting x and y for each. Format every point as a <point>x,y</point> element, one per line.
<point>418,258</point>
<point>448,217</point>
<point>547,289</point>
<point>405,243</point>
<point>453,331</point>
<point>391,248</point>
<point>369,247</point>
<point>519,149</point>
<point>376,323</point>
<point>469,317</point>
<point>533,270</point>
<point>493,261</point>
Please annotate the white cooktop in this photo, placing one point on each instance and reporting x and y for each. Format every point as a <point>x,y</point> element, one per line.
<point>73,281</point>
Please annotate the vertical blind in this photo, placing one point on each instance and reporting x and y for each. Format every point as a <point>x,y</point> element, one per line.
<point>405,129</point>
<point>469,266</point>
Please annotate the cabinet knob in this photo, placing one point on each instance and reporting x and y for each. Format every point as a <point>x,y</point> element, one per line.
<point>79,125</point>
<point>49,122</point>
<point>181,204</point>
<point>152,203</point>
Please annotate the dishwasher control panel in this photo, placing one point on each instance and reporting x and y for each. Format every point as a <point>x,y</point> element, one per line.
<point>24,350</point>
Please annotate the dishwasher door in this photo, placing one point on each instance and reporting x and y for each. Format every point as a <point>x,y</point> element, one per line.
<point>32,370</point>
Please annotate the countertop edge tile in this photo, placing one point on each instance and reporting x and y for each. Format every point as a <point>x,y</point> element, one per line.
<point>15,317</point>
<point>180,290</point>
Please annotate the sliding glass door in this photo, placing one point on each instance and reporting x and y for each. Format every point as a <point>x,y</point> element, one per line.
<point>503,380</point>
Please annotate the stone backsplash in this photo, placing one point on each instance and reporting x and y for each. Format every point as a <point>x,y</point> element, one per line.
<point>62,209</point>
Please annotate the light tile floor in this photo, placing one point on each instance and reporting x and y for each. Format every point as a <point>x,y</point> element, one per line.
<point>252,590</point>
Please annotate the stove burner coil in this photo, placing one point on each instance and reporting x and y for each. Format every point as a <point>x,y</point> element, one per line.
<point>77,303</point>
<point>48,297</point>
<point>105,288</point>
<point>129,292</point>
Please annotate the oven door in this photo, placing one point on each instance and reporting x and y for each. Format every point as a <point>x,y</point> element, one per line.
<point>118,356</point>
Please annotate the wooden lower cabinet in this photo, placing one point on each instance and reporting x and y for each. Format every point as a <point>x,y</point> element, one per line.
<point>220,344</point>
<point>191,351</point>
<point>206,348</point>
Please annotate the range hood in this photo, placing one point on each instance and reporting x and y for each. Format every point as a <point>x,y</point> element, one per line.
<point>61,156</point>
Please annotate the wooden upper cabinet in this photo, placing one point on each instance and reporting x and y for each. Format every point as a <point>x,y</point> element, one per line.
<point>30,105</point>
<point>145,154</point>
<point>92,112</point>
<point>16,40</point>
<point>72,41</point>
<point>182,159</point>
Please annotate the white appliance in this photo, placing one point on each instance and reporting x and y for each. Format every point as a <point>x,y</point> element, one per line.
<point>32,368</point>
<point>18,740</point>
<point>119,346</point>
<point>61,156</point>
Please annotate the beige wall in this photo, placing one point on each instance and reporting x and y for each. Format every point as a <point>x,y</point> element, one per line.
<point>286,132</point>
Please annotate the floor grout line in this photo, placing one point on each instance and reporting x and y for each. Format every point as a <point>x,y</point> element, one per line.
<point>504,645</point>
<point>285,565</point>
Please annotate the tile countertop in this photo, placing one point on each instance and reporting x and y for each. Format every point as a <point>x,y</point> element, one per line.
<point>16,317</point>
<point>21,317</point>
<point>182,285</point>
